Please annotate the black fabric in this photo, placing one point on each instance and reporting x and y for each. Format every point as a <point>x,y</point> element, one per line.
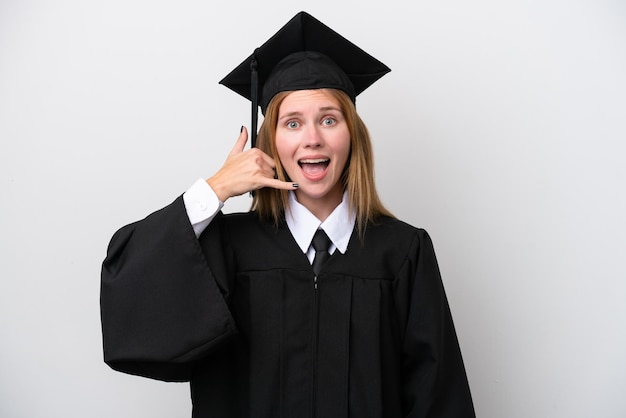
<point>304,33</point>
<point>374,339</point>
<point>304,54</point>
<point>305,70</point>
<point>321,244</point>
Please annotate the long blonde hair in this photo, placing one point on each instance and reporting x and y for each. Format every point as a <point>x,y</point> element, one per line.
<point>357,177</point>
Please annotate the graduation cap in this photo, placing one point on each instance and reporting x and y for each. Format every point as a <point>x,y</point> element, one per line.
<point>304,54</point>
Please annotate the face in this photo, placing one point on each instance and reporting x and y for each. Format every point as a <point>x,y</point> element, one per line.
<point>313,144</point>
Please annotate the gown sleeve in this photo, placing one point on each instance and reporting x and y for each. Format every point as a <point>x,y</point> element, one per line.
<point>435,379</point>
<point>161,307</point>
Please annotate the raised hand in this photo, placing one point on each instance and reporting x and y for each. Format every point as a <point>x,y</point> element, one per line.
<point>245,171</point>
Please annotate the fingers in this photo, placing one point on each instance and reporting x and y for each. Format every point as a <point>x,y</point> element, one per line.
<point>245,171</point>
<point>265,176</point>
<point>241,142</point>
<point>283,185</point>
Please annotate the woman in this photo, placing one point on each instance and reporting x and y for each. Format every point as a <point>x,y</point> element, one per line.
<point>261,323</point>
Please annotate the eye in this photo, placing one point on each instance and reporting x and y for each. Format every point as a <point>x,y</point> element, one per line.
<point>329,121</point>
<point>292,124</point>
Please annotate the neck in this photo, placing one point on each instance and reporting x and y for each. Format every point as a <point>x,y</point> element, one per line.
<point>321,207</point>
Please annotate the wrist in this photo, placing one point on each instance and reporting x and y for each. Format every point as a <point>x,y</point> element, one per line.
<point>221,194</point>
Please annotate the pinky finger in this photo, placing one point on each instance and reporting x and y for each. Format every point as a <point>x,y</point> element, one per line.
<point>283,185</point>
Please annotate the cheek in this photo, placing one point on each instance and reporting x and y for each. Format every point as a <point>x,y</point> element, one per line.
<point>281,146</point>
<point>285,152</point>
<point>343,148</point>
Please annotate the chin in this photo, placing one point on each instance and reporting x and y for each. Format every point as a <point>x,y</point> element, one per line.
<point>319,192</point>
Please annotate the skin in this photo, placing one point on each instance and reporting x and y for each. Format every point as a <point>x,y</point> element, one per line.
<point>310,127</point>
<point>244,171</point>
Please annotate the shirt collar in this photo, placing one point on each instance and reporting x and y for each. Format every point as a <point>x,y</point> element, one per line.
<point>303,224</point>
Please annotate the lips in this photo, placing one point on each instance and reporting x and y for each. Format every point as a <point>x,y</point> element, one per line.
<point>314,168</point>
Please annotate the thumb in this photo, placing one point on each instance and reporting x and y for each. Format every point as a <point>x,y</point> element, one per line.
<point>241,142</point>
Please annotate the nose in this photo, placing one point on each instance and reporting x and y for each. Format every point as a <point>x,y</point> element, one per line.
<point>312,137</point>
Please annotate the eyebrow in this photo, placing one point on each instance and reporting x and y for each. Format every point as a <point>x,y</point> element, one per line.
<point>321,109</point>
<point>289,115</point>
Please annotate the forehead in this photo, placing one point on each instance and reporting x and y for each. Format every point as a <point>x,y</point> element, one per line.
<point>308,100</point>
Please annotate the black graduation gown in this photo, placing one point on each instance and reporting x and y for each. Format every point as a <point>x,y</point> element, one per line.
<point>236,313</point>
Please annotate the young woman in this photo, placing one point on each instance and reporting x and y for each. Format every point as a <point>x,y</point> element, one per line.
<point>241,306</point>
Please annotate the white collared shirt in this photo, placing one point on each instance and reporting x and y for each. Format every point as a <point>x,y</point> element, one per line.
<point>303,224</point>
<point>202,204</point>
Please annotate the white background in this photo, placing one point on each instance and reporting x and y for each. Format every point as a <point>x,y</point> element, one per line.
<point>500,130</point>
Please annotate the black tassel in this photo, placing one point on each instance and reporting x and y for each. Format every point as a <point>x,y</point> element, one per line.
<point>254,86</point>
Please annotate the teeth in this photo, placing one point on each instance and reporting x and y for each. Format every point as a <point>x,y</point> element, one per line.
<point>314,161</point>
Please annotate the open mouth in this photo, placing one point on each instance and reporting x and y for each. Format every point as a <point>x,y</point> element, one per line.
<point>314,166</point>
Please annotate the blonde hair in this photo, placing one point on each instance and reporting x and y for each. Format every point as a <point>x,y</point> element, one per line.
<point>357,177</point>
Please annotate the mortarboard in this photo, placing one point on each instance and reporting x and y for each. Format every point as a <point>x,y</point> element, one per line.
<point>304,54</point>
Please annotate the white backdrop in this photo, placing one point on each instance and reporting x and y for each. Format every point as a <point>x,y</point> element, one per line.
<point>500,130</point>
